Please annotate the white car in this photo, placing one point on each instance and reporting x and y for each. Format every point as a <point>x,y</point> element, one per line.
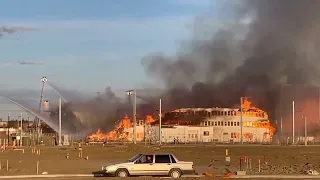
<point>150,165</point>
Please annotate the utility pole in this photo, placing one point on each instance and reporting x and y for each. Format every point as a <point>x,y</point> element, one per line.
<point>60,138</point>
<point>305,131</point>
<point>160,122</point>
<point>8,123</point>
<point>281,131</point>
<point>241,122</point>
<point>135,117</point>
<point>38,121</point>
<point>134,93</point>
<point>293,113</point>
<point>21,130</point>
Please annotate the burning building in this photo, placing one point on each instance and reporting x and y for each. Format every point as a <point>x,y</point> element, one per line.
<point>198,125</point>
<point>119,133</point>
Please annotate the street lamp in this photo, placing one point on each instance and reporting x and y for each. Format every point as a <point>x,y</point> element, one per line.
<point>20,129</point>
<point>134,94</point>
<point>241,118</point>
<point>60,132</point>
<point>44,80</point>
<point>160,122</point>
<point>38,123</point>
<point>8,127</point>
<point>305,130</point>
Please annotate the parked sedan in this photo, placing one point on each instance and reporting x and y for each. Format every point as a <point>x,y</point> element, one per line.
<point>150,165</point>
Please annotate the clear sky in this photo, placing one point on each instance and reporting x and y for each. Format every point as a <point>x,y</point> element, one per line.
<point>88,45</point>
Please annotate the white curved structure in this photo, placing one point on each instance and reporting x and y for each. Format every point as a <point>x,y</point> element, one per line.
<point>216,125</point>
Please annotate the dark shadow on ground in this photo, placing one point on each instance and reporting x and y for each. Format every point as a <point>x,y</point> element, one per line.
<point>98,174</point>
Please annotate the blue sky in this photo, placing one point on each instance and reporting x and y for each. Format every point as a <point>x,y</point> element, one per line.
<point>88,45</point>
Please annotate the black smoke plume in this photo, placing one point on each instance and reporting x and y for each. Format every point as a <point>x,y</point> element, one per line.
<point>264,45</point>
<point>260,46</point>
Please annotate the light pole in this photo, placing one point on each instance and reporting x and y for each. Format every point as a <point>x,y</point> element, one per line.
<point>38,123</point>
<point>293,127</point>
<point>134,93</point>
<point>160,122</point>
<point>21,130</point>
<point>241,117</point>
<point>60,133</point>
<point>305,130</point>
<point>8,127</point>
<point>44,80</point>
<point>241,120</point>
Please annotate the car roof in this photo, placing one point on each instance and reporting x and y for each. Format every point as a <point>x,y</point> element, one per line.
<point>157,154</point>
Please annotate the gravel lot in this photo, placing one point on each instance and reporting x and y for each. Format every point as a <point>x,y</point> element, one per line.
<point>279,159</point>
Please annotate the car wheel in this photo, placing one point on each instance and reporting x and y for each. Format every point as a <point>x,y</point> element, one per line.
<point>122,173</point>
<point>175,173</point>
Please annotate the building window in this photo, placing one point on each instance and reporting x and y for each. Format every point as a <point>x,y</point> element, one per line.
<point>192,136</point>
<point>228,123</point>
<point>219,123</point>
<point>238,123</point>
<point>229,113</point>
<point>196,136</point>
<point>233,135</point>
<point>206,123</point>
<point>231,123</point>
<point>215,123</point>
<point>205,133</point>
<point>225,123</point>
<point>225,113</point>
<point>189,135</point>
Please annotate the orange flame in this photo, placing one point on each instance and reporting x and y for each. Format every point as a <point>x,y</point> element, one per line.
<point>149,119</point>
<point>118,132</point>
<point>246,104</point>
<point>256,111</point>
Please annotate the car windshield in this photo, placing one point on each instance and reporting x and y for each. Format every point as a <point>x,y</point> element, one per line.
<point>134,157</point>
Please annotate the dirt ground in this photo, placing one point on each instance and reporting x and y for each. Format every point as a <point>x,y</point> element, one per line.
<point>274,159</point>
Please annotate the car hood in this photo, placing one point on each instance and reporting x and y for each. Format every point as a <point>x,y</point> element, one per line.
<point>117,163</point>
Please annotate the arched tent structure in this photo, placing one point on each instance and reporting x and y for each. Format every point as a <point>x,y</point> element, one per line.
<point>46,120</point>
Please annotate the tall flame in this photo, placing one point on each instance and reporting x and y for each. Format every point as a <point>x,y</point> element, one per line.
<point>248,105</point>
<point>149,119</point>
<point>118,132</point>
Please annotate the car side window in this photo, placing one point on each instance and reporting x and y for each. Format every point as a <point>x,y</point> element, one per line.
<point>145,159</point>
<point>162,159</point>
<point>172,159</point>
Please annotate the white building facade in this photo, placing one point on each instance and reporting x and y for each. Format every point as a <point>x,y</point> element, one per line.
<point>219,125</point>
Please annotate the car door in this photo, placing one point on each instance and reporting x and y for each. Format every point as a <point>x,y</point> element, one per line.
<point>162,164</point>
<point>143,166</point>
